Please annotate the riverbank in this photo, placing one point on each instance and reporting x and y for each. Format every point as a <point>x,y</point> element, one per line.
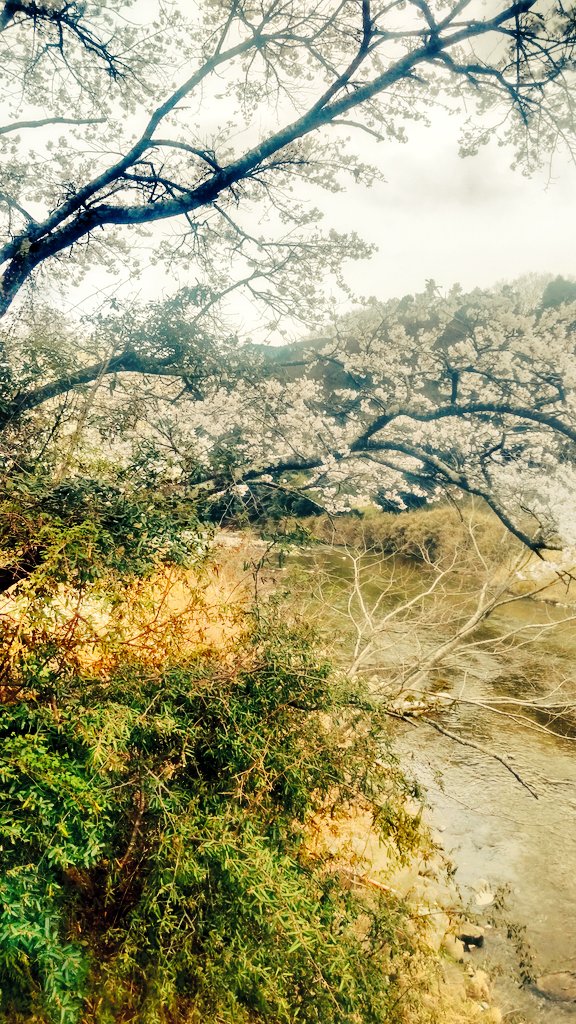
<point>509,692</point>
<point>453,534</point>
<point>199,705</point>
<point>457,989</point>
<point>166,780</point>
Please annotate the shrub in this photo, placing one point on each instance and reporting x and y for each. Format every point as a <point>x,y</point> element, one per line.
<point>84,530</point>
<point>153,840</point>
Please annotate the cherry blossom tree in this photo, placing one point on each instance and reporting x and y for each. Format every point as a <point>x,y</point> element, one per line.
<point>219,121</point>
<point>475,394</point>
<point>417,397</point>
<point>106,125</point>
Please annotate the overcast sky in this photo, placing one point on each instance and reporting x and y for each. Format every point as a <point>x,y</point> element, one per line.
<point>471,220</point>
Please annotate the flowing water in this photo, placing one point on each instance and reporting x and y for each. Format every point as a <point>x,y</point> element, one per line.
<point>491,826</point>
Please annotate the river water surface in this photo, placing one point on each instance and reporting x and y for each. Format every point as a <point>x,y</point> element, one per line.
<point>497,834</point>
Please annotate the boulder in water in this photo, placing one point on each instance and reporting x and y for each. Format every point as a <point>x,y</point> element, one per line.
<point>559,986</point>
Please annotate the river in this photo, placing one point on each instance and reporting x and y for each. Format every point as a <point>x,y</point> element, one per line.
<point>494,830</point>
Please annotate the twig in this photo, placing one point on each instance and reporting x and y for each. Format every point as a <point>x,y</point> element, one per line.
<point>482,750</point>
<point>140,802</point>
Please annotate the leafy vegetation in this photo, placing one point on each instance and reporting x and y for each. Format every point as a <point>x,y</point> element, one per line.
<point>154,851</point>
<point>81,529</point>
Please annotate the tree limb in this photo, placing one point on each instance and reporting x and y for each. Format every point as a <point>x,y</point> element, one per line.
<point>81,214</point>
<point>481,750</point>
<point>18,126</point>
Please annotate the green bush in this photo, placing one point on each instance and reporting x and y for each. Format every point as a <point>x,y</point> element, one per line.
<point>153,851</point>
<point>82,530</point>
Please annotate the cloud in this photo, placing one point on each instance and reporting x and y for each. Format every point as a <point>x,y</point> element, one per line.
<point>472,220</point>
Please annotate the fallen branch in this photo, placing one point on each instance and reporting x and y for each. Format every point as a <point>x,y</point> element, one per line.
<point>482,750</point>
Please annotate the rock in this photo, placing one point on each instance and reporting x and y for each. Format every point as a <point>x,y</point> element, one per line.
<point>436,927</point>
<point>471,935</point>
<point>559,986</point>
<point>478,987</point>
<point>483,894</point>
<point>454,948</point>
<point>228,540</point>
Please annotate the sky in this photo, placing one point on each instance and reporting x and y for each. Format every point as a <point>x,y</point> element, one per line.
<point>438,215</point>
<point>470,220</point>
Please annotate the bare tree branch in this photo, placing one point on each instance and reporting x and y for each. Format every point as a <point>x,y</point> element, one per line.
<point>18,126</point>
<point>493,754</point>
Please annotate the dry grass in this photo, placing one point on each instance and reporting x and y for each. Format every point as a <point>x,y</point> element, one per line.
<point>435,534</point>
<point>174,613</point>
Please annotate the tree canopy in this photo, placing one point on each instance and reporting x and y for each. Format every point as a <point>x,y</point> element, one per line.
<point>473,392</point>
<point>410,398</point>
<point>128,89</point>
<point>220,121</point>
